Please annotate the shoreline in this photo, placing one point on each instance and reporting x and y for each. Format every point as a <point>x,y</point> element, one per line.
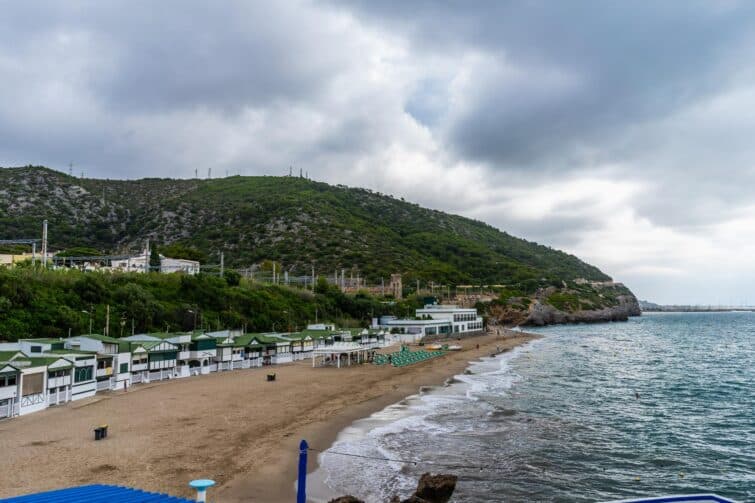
<point>233,427</point>
<point>276,483</point>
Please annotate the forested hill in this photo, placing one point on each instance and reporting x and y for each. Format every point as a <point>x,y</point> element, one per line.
<point>294,221</point>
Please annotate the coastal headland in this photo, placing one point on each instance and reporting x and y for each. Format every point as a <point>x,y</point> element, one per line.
<point>233,427</point>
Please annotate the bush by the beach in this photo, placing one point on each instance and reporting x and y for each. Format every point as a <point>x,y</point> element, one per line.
<point>40,303</point>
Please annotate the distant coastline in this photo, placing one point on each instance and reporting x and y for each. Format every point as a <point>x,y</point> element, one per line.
<point>651,307</point>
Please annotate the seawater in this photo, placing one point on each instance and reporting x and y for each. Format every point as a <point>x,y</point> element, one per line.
<point>662,404</point>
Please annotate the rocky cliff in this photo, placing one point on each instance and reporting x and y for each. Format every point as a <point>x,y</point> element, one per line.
<point>586,302</point>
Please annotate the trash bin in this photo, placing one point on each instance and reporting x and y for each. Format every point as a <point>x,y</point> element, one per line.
<point>103,427</point>
<point>98,433</point>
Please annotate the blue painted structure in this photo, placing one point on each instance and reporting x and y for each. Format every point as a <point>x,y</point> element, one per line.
<point>97,493</point>
<point>699,498</point>
<point>301,485</point>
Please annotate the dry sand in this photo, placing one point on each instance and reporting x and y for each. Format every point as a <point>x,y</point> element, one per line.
<point>233,427</point>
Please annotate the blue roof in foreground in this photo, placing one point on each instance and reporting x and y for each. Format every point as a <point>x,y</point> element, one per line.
<point>96,494</point>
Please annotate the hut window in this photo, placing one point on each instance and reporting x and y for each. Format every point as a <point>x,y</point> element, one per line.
<point>33,384</point>
<point>7,381</point>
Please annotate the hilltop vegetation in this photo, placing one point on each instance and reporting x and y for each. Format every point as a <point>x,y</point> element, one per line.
<point>293,221</point>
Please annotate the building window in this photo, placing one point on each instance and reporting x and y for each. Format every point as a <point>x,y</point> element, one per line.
<point>82,374</point>
<point>123,368</point>
<point>7,381</point>
<point>36,349</point>
<point>32,384</point>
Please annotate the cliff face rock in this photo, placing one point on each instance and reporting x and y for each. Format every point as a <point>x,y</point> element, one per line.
<point>545,314</point>
<point>577,301</point>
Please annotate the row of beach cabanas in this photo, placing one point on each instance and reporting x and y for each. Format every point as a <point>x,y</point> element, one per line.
<point>39,373</point>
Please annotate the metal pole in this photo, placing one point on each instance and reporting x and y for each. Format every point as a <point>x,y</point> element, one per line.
<point>301,486</point>
<point>146,257</point>
<point>44,243</point>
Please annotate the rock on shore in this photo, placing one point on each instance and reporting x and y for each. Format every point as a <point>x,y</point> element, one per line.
<point>430,489</point>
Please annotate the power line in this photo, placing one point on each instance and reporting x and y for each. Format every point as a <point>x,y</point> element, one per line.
<point>403,461</point>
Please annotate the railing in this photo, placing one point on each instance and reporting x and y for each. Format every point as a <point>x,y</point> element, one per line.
<point>56,382</point>
<point>213,367</point>
<point>104,384</point>
<point>104,372</point>
<point>136,378</point>
<point>237,365</point>
<point>138,367</point>
<point>35,399</point>
<point>9,409</point>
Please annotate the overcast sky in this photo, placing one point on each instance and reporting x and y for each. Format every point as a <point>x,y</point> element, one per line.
<point>623,132</point>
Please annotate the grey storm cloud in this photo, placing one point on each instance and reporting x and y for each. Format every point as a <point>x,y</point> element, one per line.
<point>572,74</point>
<point>577,124</point>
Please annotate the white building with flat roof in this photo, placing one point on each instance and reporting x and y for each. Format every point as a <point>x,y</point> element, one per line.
<point>140,263</point>
<point>435,320</point>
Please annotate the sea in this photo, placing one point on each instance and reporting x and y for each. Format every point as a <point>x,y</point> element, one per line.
<point>661,404</point>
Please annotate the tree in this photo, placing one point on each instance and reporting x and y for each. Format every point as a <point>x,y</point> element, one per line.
<point>154,259</point>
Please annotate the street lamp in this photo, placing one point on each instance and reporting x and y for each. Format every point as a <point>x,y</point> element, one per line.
<point>90,318</point>
<point>195,318</point>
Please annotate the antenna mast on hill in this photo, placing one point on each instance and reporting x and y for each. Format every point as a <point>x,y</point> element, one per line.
<point>209,172</point>
<point>70,169</point>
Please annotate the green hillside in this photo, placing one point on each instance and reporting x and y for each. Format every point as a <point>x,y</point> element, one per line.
<point>294,221</point>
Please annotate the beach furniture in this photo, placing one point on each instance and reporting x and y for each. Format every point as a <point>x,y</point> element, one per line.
<point>201,485</point>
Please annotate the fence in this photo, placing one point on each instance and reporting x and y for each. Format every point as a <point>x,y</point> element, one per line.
<point>9,409</point>
<point>105,384</point>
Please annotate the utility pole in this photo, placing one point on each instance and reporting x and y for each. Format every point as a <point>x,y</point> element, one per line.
<point>382,285</point>
<point>273,271</point>
<point>44,244</point>
<point>107,319</point>
<point>221,264</point>
<point>417,287</point>
<point>313,277</point>
<point>33,253</point>
<point>146,257</point>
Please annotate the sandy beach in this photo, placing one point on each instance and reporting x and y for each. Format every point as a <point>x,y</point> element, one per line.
<point>232,427</point>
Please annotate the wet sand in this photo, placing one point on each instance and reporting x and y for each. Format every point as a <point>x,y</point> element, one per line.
<point>233,427</point>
